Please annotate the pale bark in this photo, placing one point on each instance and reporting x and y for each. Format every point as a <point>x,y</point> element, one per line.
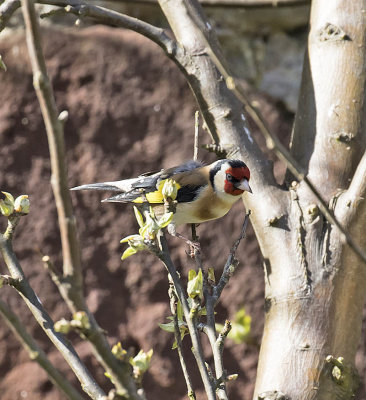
<point>315,296</point>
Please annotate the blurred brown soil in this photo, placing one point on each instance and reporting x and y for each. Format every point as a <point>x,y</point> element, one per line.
<point>130,111</point>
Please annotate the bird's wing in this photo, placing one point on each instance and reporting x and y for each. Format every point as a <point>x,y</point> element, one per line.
<point>188,177</point>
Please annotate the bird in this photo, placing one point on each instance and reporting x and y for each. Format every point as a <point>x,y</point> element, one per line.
<point>205,192</point>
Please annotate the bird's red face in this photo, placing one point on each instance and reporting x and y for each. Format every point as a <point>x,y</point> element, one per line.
<point>237,180</point>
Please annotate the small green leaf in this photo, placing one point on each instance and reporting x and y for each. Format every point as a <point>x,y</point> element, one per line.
<point>139,218</point>
<point>128,252</point>
<point>7,205</point>
<point>191,274</point>
<point>195,284</point>
<point>179,311</point>
<point>131,238</point>
<point>166,219</point>
<point>141,361</point>
<point>169,327</point>
<point>211,275</point>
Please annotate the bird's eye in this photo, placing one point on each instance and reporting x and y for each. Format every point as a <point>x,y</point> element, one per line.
<point>229,177</point>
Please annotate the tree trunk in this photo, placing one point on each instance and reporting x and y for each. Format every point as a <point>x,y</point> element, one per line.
<point>315,285</point>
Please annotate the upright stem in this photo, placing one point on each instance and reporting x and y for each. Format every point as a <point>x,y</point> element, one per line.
<point>71,286</point>
<point>55,135</point>
<point>173,307</point>
<point>196,343</point>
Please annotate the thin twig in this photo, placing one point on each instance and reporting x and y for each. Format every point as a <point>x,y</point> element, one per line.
<point>195,158</point>
<point>164,256</point>
<point>71,285</point>
<point>178,339</point>
<point>31,299</point>
<point>231,262</point>
<point>210,330</point>
<point>37,354</point>
<point>55,135</point>
<point>233,3</point>
<point>196,133</point>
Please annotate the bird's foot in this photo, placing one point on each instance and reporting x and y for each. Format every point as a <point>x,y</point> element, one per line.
<point>194,247</point>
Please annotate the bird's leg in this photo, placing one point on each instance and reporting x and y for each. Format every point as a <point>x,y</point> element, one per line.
<point>195,246</point>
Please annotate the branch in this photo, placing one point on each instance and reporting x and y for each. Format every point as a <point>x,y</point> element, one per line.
<point>164,256</point>
<point>357,188</point>
<point>7,9</point>
<point>44,320</point>
<point>233,3</point>
<point>71,285</point>
<point>211,301</point>
<point>178,339</point>
<point>37,354</point>
<point>347,203</point>
<point>55,135</point>
<point>231,262</point>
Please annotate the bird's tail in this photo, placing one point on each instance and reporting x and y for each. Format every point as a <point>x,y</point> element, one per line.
<point>117,186</point>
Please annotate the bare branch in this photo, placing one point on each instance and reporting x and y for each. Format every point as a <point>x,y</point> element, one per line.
<point>348,202</point>
<point>233,3</point>
<point>55,135</point>
<point>37,354</point>
<point>71,284</point>
<point>44,320</point>
<point>357,188</point>
<point>197,347</point>
<point>231,262</point>
<point>173,308</point>
<point>7,9</point>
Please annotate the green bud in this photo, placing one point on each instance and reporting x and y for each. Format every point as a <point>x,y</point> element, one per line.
<point>62,326</point>
<point>7,205</point>
<point>195,284</point>
<point>240,327</point>
<point>170,189</point>
<point>148,231</point>
<point>81,320</point>
<point>141,362</point>
<point>22,204</point>
<point>211,275</point>
<point>119,352</point>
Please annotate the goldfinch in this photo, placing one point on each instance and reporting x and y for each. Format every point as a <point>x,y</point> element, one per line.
<point>205,192</point>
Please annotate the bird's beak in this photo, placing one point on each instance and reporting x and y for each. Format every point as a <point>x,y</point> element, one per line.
<point>244,185</point>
